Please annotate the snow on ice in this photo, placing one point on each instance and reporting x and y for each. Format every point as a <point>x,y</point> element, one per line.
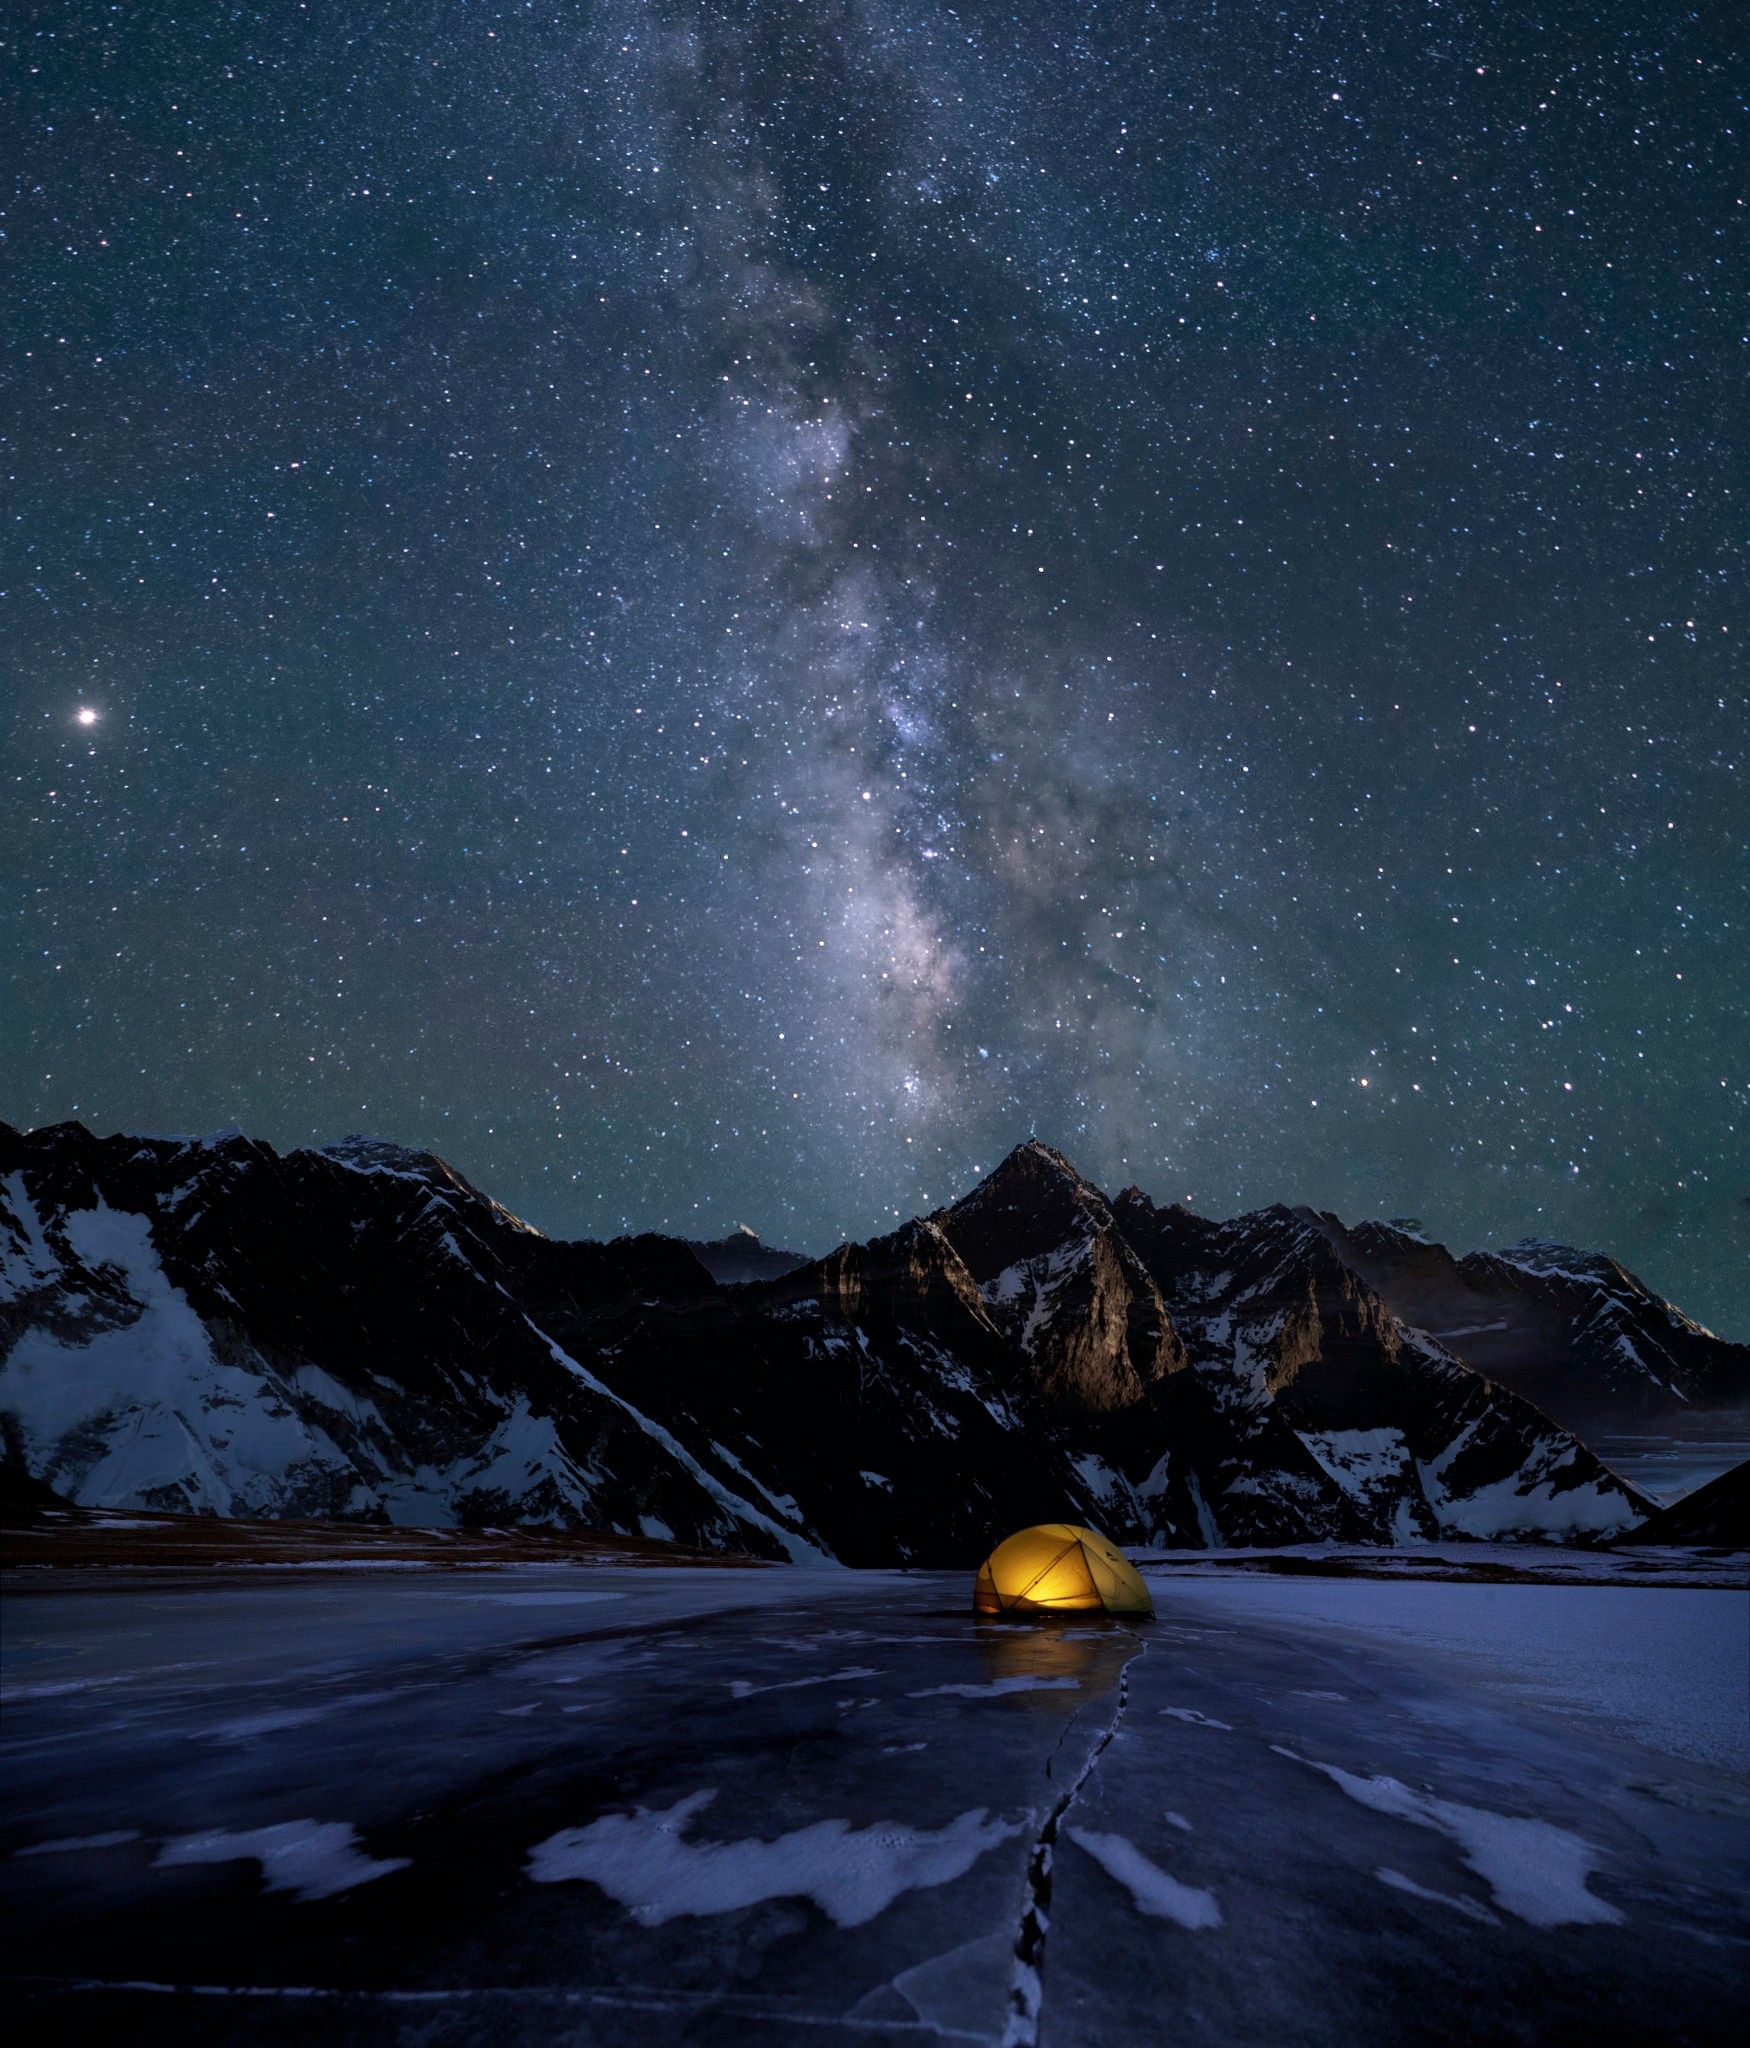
<point>1149,1885</point>
<point>1198,1720</point>
<point>1536,1870</point>
<point>313,1859</point>
<point>852,1874</point>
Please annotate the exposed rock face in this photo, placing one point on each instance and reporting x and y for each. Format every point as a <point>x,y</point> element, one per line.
<point>358,1332</point>
<point>1573,1331</point>
<point>1320,1382</point>
<point>347,1332</point>
<point>1062,1284</point>
<point>915,1274</point>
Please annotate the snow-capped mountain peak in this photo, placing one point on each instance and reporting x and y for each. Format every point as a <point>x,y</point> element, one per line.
<point>358,1331</point>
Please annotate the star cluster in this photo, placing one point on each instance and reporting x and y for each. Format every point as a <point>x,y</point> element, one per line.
<point>719,611</point>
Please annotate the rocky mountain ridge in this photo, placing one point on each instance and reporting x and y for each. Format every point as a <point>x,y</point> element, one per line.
<point>1574,1331</point>
<point>358,1332</point>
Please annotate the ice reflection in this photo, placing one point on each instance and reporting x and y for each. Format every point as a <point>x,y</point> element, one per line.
<point>1052,1656</point>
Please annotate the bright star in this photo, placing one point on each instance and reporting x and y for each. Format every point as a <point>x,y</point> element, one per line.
<point>86,715</point>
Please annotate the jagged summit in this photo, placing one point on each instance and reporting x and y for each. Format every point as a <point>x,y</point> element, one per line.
<point>1063,1283</point>
<point>1551,1259</point>
<point>380,1155</point>
<point>1133,1194</point>
<point>356,1331</point>
<point>411,1163</point>
<point>914,1271</point>
<point>1550,1255</point>
<point>1573,1330</point>
<point>1021,1208</point>
<point>1035,1163</point>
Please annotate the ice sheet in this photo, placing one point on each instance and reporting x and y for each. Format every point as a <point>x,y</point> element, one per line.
<point>1535,1870</point>
<point>893,1843</point>
<point>1668,1666</point>
<point>994,1688</point>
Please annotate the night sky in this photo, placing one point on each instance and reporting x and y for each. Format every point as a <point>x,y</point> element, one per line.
<point>721,612</point>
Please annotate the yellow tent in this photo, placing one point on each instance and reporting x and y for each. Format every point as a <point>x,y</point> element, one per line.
<point>1057,1568</point>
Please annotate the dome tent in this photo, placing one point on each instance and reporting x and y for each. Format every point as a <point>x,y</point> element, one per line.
<point>1058,1568</point>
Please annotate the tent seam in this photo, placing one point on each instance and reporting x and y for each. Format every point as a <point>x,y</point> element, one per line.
<point>1050,1565</point>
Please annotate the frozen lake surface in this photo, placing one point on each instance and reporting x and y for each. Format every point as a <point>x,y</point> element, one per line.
<point>1667,1666</point>
<point>708,1806</point>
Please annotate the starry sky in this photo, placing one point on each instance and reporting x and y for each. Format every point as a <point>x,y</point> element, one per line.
<point>719,612</point>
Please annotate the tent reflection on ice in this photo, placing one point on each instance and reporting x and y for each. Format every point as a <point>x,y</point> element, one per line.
<point>1057,1568</point>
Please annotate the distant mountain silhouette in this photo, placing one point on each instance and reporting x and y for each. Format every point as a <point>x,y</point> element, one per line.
<point>741,1256</point>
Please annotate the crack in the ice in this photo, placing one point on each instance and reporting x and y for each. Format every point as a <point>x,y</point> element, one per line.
<point>1027,1988</point>
<point>1064,1734</point>
<point>666,2003</point>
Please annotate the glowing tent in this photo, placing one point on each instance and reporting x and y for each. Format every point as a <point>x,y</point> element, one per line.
<point>1056,1568</point>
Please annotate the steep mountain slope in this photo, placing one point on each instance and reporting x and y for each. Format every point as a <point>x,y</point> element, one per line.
<point>1572,1330</point>
<point>359,1332</point>
<point>1319,1380</point>
<point>1715,1514</point>
<point>215,1326</point>
<point>1059,1280</point>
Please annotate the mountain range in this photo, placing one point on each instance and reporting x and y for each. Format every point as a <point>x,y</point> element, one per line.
<point>357,1332</point>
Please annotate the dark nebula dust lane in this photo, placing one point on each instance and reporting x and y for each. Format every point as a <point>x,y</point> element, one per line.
<point>722,610</point>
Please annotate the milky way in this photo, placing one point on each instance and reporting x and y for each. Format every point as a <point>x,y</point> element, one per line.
<point>720,612</point>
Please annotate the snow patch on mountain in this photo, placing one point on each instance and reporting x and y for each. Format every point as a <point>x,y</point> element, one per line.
<point>143,1413</point>
<point>27,1259</point>
<point>358,1331</point>
<point>1372,1466</point>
